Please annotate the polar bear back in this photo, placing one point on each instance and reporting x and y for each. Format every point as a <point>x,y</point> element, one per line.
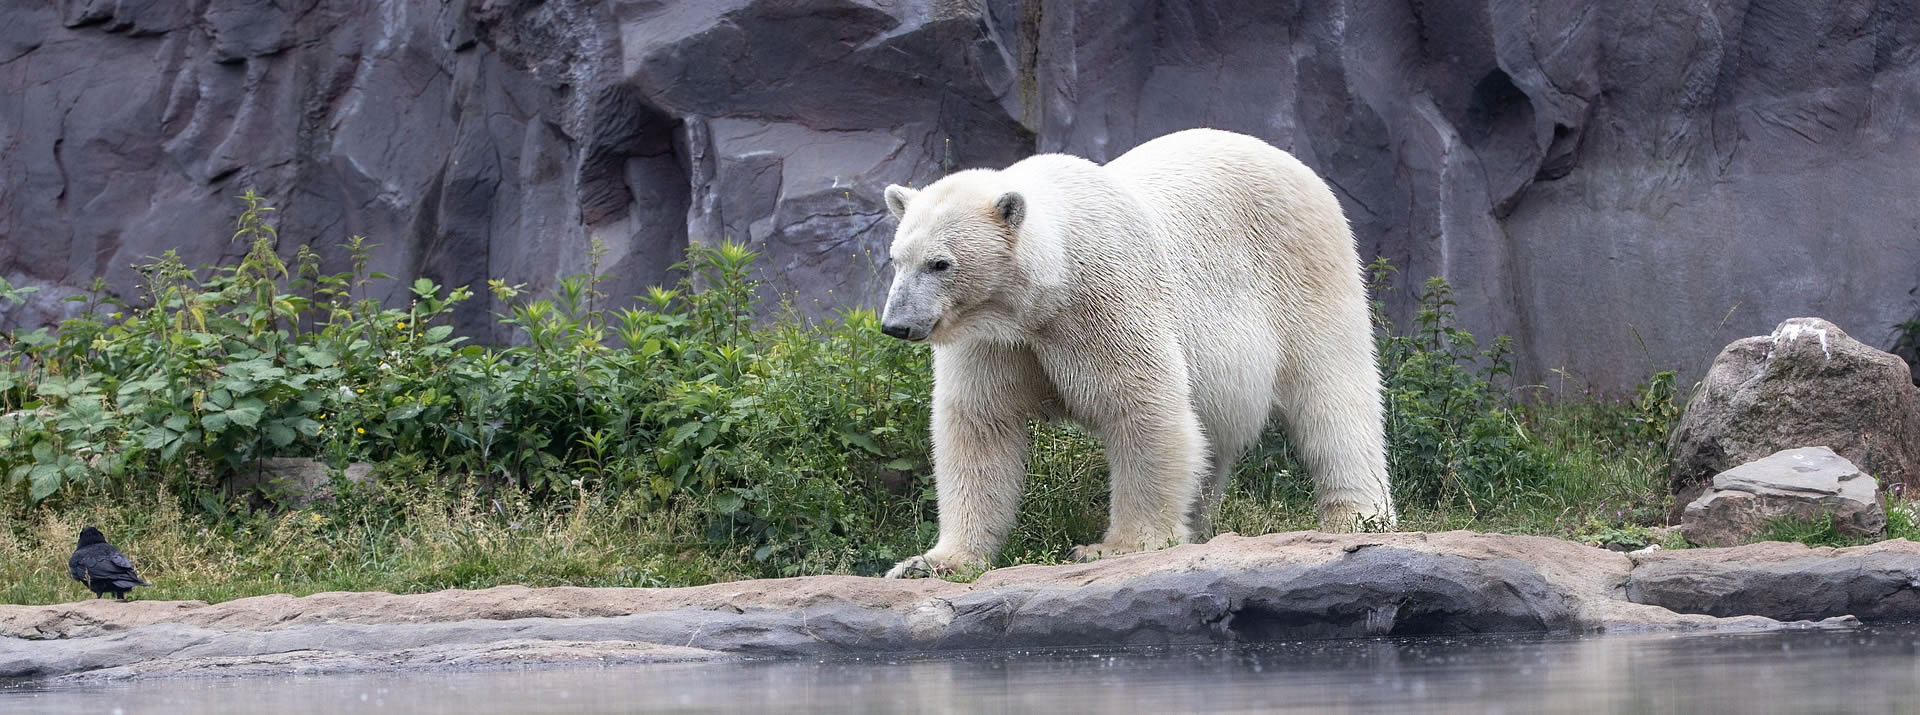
<point>1250,216</point>
<point>1266,261</point>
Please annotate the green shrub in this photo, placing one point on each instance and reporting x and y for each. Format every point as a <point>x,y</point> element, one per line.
<point>780,433</point>
<point>215,372</point>
<point>1453,435</point>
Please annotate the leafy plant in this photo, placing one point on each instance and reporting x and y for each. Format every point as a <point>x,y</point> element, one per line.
<point>1618,536</point>
<point>1906,344</point>
<point>1453,435</point>
<point>1655,408</point>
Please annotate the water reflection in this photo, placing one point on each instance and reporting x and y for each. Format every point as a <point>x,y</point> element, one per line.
<point>1869,670</point>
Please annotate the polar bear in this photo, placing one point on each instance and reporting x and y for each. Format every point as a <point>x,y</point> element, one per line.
<point>1169,301</point>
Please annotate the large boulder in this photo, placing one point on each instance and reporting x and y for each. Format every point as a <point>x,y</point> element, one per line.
<point>1806,384</point>
<point>1806,484</point>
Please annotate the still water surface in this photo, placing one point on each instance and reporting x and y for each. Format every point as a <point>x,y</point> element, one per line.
<point>1871,670</point>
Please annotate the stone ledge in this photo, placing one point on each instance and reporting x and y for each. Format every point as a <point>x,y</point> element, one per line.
<point>1233,589</point>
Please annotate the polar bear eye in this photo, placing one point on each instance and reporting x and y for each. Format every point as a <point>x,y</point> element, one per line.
<point>939,264</point>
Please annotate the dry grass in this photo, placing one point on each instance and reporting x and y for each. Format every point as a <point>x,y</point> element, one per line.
<point>431,543</point>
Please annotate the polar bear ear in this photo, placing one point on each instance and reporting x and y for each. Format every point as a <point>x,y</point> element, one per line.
<point>897,198</point>
<point>1011,207</point>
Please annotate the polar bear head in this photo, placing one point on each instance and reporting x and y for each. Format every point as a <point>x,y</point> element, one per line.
<point>952,255</point>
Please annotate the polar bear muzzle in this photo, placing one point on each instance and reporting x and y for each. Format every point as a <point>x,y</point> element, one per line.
<point>912,306</point>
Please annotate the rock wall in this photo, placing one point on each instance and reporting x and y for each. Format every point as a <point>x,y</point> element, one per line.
<point>1622,185</point>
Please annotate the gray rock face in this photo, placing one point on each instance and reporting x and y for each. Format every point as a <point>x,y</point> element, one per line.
<point>1807,383</point>
<point>1621,185</point>
<point>1806,484</point>
<point>1782,581</point>
<point>296,482</point>
<point>1230,590</point>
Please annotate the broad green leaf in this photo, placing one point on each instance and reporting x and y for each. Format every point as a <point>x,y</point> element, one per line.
<point>215,422</point>
<point>902,464</point>
<point>862,441</point>
<point>53,387</point>
<point>85,407</point>
<point>246,412</point>
<point>173,447</point>
<point>156,437</point>
<point>728,503</point>
<point>151,384</point>
<point>318,357</point>
<point>438,333</point>
<point>280,434</point>
<point>683,432</point>
<point>44,479</point>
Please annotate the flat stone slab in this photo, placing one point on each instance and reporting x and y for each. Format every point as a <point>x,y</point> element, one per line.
<point>1876,582</point>
<point>1804,483</point>
<point>1232,590</point>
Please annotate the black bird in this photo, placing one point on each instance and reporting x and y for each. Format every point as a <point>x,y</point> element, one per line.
<point>101,567</point>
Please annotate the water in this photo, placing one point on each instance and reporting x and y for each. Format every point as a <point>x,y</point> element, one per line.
<point>1863,671</point>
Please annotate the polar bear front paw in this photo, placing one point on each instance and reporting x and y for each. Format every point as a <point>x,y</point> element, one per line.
<point>1095,552</point>
<point>933,565</point>
<point>1348,518</point>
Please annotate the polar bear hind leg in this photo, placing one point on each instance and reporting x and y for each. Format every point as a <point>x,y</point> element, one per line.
<point>1333,418</point>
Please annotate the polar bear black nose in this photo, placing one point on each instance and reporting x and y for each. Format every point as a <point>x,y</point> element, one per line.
<point>896,331</point>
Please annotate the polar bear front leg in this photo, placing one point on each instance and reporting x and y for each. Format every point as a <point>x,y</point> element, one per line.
<point>982,398</point>
<point>979,471</point>
<point>1156,456</point>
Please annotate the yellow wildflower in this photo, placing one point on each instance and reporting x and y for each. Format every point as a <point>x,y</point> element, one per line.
<point>402,325</point>
<point>361,430</point>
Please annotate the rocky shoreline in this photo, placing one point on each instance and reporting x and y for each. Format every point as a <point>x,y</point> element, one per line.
<point>1234,589</point>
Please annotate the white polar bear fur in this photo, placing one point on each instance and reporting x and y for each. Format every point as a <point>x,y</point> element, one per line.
<point>1170,301</point>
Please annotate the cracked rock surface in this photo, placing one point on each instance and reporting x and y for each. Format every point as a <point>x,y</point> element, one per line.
<point>1614,183</point>
<point>1231,590</point>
